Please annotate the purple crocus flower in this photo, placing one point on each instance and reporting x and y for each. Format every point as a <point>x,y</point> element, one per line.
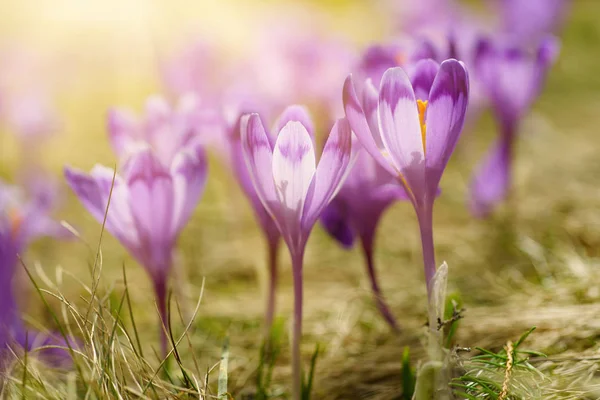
<point>532,19</point>
<point>164,129</point>
<point>294,191</point>
<point>512,78</point>
<point>378,58</point>
<point>22,221</point>
<point>153,197</point>
<point>356,210</point>
<point>266,222</point>
<point>411,126</point>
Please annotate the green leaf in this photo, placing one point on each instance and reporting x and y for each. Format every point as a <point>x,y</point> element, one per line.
<point>307,387</point>
<point>408,376</point>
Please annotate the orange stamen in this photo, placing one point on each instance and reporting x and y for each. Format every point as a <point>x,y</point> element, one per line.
<point>15,219</point>
<point>400,59</point>
<point>422,106</point>
<point>400,176</point>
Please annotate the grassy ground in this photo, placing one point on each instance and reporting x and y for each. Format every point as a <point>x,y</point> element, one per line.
<point>535,263</point>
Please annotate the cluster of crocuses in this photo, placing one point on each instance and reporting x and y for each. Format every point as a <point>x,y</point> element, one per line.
<point>26,110</point>
<point>24,216</point>
<point>399,109</point>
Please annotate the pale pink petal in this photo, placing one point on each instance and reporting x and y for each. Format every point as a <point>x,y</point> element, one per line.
<point>370,104</point>
<point>445,117</point>
<point>259,161</point>
<point>94,191</point>
<point>189,172</point>
<point>152,205</point>
<point>329,176</point>
<point>295,113</point>
<point>293,168</point>
<point>359,125</point>
<point>399,120</point>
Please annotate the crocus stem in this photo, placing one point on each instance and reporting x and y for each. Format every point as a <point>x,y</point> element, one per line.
<point>367,244</point>
<point>507,144</point>
<point>160,289</point>
<point>425,217</point>
<point>273,279</point>
<point>297,261</point>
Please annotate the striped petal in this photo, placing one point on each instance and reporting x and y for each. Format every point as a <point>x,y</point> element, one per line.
<point>399,120</point>
<point>329,175</point>
<point>358,122</point>
<point>370,102</point>
<point>293,169</point>
<point>295,113</point>
<point>445,118</point>
<point>258,155</point>
<point>94,190</point>
<point>189,172</point>
<point>152,203</point>
<point>422,77</point>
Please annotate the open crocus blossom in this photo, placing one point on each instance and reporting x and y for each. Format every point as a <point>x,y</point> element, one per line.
<point>22,221</point>
<point>242,175</point>
<point>356,210</point>
<point>166,130</point>
<point>410,126</point>
<point>512,78</point>
<point>152,200</point>
<point>294,191</point>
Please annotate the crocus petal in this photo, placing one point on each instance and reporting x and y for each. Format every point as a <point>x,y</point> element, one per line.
<point>490,184</point>
<point>337,224</point>
<point>548,51</point>
<point>329,175</point>
<point>294,113</point>
<point>123,129</point>
<point>532,18</point>
<point>378,58</point>
<point>370,102</point>
<point>424,49</point>
<point>38,225</point>
<point>399,120</point>
<point>358,122</point>
<point>445,118</point>
<point>293,168</point>
<point>94,190</point>
<point>390,192</point>
<point>189,172</point>
<point>259,160</point>
<point>51,348</point>
<point>152,206</point>
<point>157,111</point>
<point>92,194</point>
<point>422,77</point>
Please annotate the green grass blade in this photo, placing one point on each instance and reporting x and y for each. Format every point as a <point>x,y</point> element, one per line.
<point>223,366</point>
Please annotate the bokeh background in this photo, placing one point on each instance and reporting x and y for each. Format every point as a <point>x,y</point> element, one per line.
<point>534,263</point>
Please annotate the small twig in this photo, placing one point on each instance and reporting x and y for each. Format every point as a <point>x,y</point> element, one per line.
<point>509,366</point>
<point>456,315</point>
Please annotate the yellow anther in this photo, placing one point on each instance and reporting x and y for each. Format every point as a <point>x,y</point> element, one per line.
<point>422,106</point>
